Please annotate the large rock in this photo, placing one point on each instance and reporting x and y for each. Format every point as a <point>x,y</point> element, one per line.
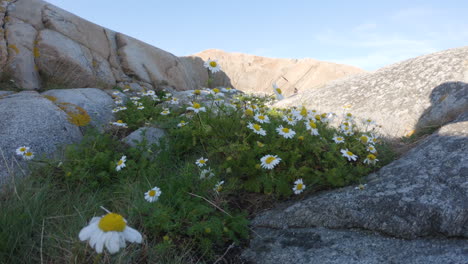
<point>29,119</point>
<point>424,193</point>
<point>325,246</point>
<point>256,74</point>
<point>64,60</point>
<point>425,91</point>
<point>97,103</point>
<point>151,64</point>
<point>28,11</point>
<point>151,135</point>
<point>21,37</point>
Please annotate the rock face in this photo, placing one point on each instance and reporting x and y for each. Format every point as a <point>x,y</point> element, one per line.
<point>97,103</point>
<point>47,46</point>
<point>152,135</point>
<point>425,91</point>
<point>423,194</point>
<point>255,74</point>
<point>29,119</point>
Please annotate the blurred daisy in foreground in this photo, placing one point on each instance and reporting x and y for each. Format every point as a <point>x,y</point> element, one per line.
<point>348,154</point>
<point>206,174</point>
<point>262,118</point>
<point>299,186</point>
<point>22,150</point>
<point>153,195</point>
<point>165,112</point>
<point>290,120</point>
<point>371,149</point>
<point>182,124</point>
<point>269,161</point>
<point>119,123</point>
<point>212,65</point>
<point>360,187</point>
<point>218,187</point>
<point>111,231</point>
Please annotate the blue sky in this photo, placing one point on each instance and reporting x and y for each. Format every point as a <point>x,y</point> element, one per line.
<point>366,34</point>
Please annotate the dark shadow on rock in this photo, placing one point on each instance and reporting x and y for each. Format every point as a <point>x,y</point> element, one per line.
<point>448,101</point>
<point>197,71</point>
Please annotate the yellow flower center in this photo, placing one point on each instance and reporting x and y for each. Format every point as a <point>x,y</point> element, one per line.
<point>166,238</point>
<point>219,188</point>
<point>318,117</point>
<point>349,115</point>
<point>364,139</point>
<point>216,90</point>
<point>207,230</point>
<point>29,154</point>
<point>285,130</point>
<point>23,149</point>
<point>301,138</point>
<point>299,186</point>
<point>257,127</point>
<point>213,64</point>
<point>290,119</point>
<point>120,121</point>
<point>182,122</point>
<point>304,111</point>
<point>260,144</point>
<point>346,123</point>
<point>369,120</point>
<point>202,161</point>
<point>349,153</point>
<point>371,157</point>
<point>339,138</point>
<point>270,160</point>
<point>112,222</point>
<point>261,117</point>
<point>152,193</point>
<point>120,162</point>
<point>196,105</point>
<point>249,112</point>
<point>312,125</point>
<point>197,92</point>
<point>324,115</point>
<point>278,90</point>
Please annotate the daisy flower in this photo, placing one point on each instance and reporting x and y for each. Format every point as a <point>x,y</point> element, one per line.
<point>196,92</point>
<point>212,65</point>
<point>347,131</point>
<point>262,118</point>
<point>119,123</point>
<point>368,122</point>
<point>228,90</point>
<point>216,92</point>
<point>360,187</point>
<point>278,92</point>
<point>111,231</point>
<point>201,162</point>
<point>28,155</point>
<point>121,163</point>
<point>285,132</point>
<point>364,139</point>
<point>290,120</point>
<point>115,92</point>
<point>269,161</point>
<point>218,187</point>
<point>248,112</point>
<point>174,101</point>
<point>196,107</point>
<point>260,144</point>
<point>348,154</point>
<point>135,98</point>
<point>371,149</point>
<point>299,186</point>
<point>312,127</point>
<point>257,129</point>
<point>206,174</point>
<point>22,150</point>
<point>182,124</point>
<point>140,107</point>
<point>118,102</point>
<point>165,112</point>
<point>153,195</point>
<point>126,90</point>
<point>349,117</point>
<point>338,139</point>
<point>371,159</point>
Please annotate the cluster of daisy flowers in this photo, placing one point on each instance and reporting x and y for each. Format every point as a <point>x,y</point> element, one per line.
<point>25,153</point>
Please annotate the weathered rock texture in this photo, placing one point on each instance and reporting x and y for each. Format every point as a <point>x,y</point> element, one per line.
<point>28,119</point>
<point>42,45</point>
<point>423,194</point>
<point>255,74</point>
<point>325,246</point>
<point>416,93</point>
<point>97,103</point>
<point>151,135</point>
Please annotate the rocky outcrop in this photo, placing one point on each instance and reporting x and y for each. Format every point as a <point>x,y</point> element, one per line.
<point>255,74</point>
<point>425,91</point>
<point>150,135</point>
<point>46,46</point>
<point>422,195</point>
<point>28,119</point>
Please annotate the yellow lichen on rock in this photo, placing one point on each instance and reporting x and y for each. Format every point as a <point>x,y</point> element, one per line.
<point>76,115</point>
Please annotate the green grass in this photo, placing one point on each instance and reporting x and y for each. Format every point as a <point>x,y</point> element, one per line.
<point>190,223</point>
